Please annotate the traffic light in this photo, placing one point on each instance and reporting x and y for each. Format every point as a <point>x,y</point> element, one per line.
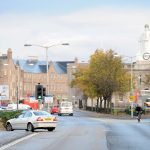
<point>39,91</point>
<point>44,91</point>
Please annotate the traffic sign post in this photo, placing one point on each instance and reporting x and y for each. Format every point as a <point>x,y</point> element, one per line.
<point>132,98</point>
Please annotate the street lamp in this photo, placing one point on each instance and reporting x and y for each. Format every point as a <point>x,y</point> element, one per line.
<point>131,79</point>
<point>131,86</point>
<point>46,49</point>
<point>17,87</point>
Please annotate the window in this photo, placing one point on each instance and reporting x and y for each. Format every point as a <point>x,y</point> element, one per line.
<point>27,114</point>
<point>41,113</point>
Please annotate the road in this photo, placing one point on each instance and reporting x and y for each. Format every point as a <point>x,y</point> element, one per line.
<point>82,132</point>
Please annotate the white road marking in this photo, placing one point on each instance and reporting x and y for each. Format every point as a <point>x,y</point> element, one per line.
<point>17,141</point>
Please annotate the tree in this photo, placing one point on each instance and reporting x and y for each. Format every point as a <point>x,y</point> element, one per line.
<point>107,73</point>
<point>104,75</point>
<point>82,81</point>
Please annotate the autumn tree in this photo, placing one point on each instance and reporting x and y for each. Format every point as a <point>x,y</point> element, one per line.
<point>83,82</point>
<point>107,73</point>
<point>104,75</point>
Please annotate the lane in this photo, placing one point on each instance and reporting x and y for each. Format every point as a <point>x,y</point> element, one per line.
<point>83,131</point>
<point>128,135</point>
<point>72,133</point>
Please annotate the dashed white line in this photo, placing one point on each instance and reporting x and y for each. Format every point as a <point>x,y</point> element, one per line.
<point>17,141</point>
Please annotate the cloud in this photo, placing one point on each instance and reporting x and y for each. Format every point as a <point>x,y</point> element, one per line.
<point>85,30</point>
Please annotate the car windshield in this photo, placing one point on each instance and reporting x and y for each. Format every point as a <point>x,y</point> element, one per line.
<point>41,113</point>
<point>66,104</point>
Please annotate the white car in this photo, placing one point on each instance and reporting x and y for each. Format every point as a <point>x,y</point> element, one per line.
<point>20,107</point>
<point>65,108</point>
<point>31,120</point>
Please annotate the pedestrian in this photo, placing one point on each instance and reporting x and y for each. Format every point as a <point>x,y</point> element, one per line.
<point>138,110</point>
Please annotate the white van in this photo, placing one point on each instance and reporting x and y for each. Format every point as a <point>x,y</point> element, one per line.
<point>65,107</point>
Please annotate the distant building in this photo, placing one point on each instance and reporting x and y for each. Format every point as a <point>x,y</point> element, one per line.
<point>26,74</point>
<point>144,43</point>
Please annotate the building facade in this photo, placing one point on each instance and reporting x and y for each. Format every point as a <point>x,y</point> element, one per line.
<point>19,78</point>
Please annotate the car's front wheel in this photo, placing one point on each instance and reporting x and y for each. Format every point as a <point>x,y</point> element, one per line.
<point>9,127</point>
<point>51,129</point>
<point>30,127</point>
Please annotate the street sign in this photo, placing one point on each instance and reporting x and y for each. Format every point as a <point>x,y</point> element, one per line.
<point>132,98</point>
<point>48,99</point>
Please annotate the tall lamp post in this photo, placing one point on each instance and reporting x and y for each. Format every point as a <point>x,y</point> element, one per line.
<point>18,87</point>
<point>46,50</point>
<point>131,86</point>
<point>131,80</point>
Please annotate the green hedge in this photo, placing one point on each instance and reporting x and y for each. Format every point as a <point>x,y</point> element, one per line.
<point>6,115</point>
<point>128,111</point>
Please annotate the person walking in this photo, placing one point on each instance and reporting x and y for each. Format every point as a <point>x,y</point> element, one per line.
<point>138,109</point>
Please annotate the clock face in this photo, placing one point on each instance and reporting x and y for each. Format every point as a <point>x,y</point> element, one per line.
<point>146,56</point>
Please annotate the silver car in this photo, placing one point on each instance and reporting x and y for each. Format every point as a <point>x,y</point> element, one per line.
<point>31,120</point>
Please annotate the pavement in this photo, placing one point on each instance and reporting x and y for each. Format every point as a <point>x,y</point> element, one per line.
<point>9,136</point>
<point>111,116</point>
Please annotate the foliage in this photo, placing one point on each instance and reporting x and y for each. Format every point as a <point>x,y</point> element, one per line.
<point>6,115</point>
<point>83,81</point>
<point>104,75</point>
<point>107,72</point>
<point>108,75</point>
<point>128,111</point>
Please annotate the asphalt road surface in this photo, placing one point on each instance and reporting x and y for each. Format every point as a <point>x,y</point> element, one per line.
<point>81,132</point>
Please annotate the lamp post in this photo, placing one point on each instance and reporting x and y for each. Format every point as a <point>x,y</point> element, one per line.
<point>131,86</point>
<point>18,87</point>
<point>131,80</point>
<point>46,50</point>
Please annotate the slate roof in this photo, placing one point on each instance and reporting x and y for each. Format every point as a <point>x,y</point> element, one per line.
<point>38,66</point>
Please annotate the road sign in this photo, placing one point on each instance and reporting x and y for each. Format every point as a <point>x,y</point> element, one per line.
<point>132,98</point>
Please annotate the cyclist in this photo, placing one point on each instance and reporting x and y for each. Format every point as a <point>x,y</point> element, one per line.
<point>139,112</point>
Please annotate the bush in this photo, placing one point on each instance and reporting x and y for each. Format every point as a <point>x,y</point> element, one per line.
<point>115,111</point>
<point>128,111</point>
<point>6,115</point>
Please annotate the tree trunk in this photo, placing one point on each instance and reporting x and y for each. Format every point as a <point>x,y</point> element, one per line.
<point>101,101</point>
<point>104,105</point>
<point>92,103</point>
<point>97,105</point>
<point>108,105</point>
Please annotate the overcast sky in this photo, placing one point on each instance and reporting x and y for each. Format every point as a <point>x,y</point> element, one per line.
<point>85,24</point>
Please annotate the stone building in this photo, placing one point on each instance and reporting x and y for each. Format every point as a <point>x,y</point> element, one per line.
<point>19,78</point>
<point>138,68</point>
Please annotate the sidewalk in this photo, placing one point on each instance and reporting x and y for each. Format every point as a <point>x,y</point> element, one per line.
<point>117,116</point>
<point>7,137</point>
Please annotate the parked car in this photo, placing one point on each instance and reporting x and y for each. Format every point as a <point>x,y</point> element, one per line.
<point>20,107</point>
<point>54,109</point>
<point>31,120</point>
<point>147,102</point>
<point>2,108</point>
<point>65,107</point>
